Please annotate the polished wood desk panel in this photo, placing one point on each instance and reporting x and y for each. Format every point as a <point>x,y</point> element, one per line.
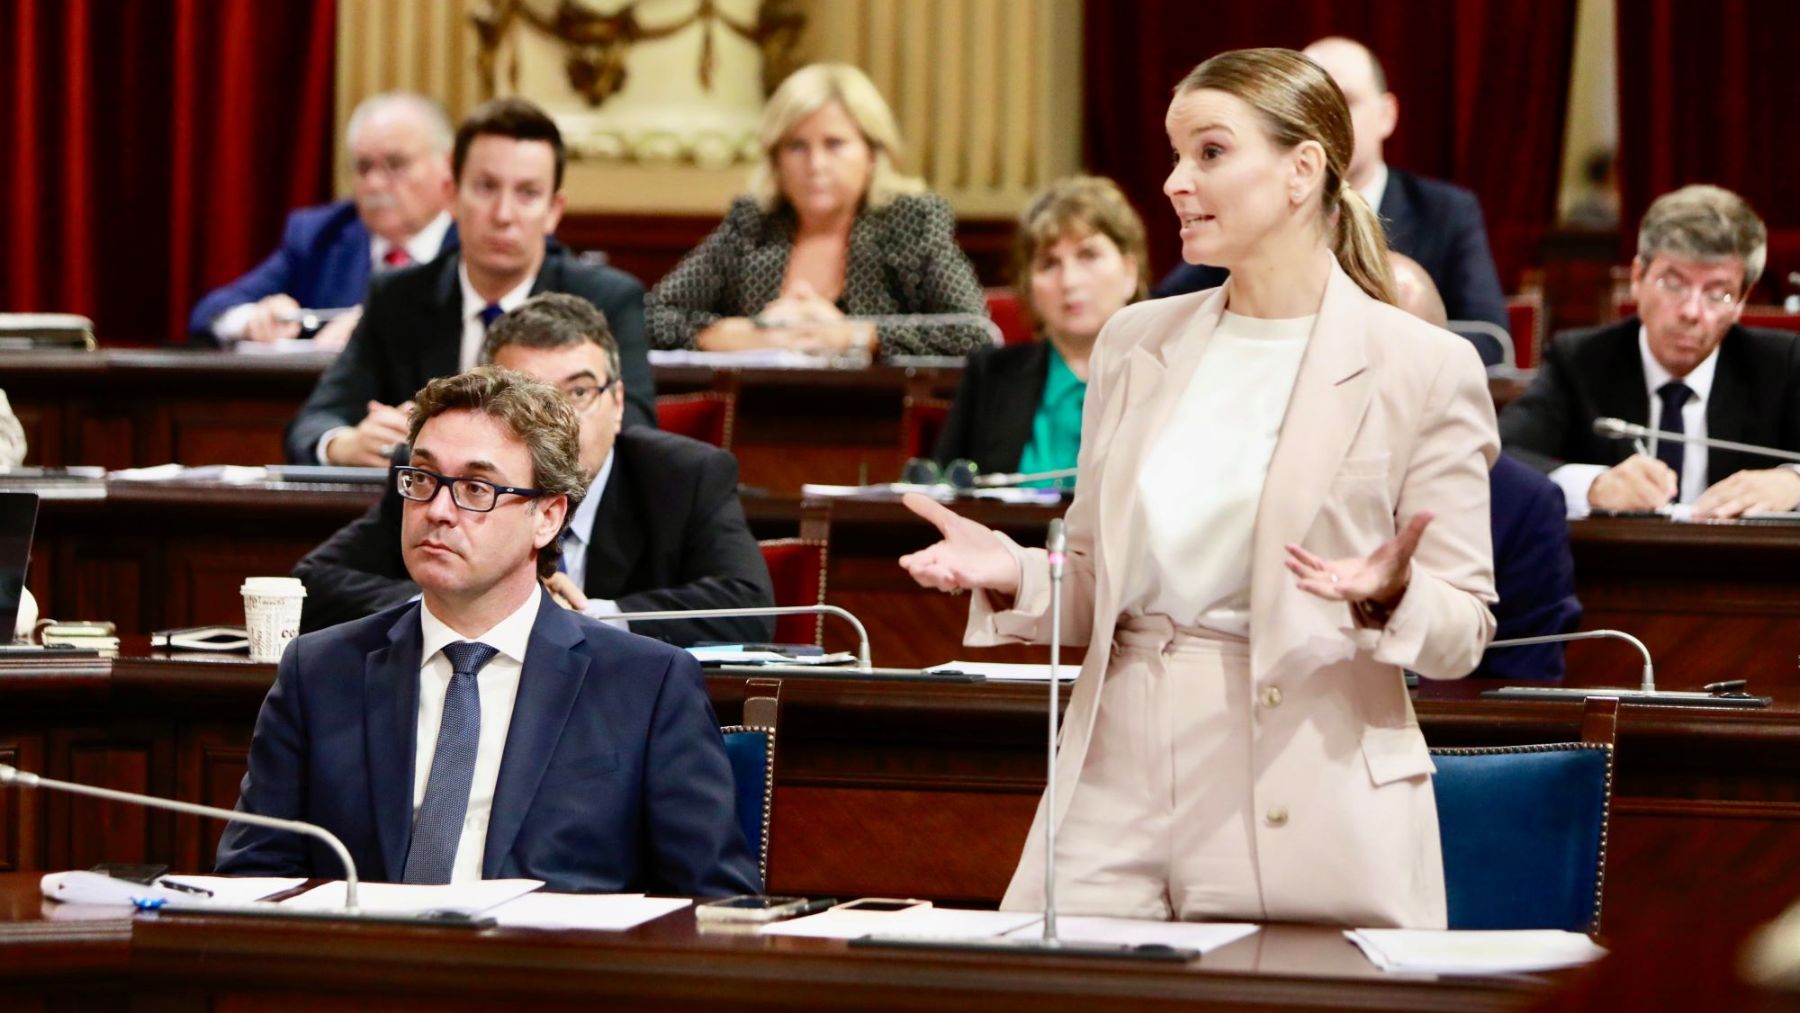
<point>887,787</point>
<point>50,960</point>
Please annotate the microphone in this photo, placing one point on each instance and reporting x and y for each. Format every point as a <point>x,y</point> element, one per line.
<point>862,633</point>
<point>1619,429</point>
<point>1002,479</point>
<point>1056,545</point>
<point>13,775</point>
<point>1646,693</point>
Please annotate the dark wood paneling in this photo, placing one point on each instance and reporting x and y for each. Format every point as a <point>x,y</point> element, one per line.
<point>100,831</point>
<point>21,812</point>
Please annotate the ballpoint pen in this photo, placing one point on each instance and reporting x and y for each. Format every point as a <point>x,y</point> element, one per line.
<point>198,891</point>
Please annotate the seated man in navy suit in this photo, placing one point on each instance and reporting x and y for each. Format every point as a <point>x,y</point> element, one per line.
<point>399,146</point>
<point>483,732</point>
<point>1436,223</point>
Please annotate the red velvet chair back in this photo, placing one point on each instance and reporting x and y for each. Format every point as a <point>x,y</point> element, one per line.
<point>922,421</point>
<point>1003,306</point>
<point>708,416</point>
<point>1525,320</point>
<point>797,568</point>
<point>1770,316</point>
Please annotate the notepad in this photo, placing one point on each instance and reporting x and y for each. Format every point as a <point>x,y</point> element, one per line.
<point>1474,952</point>
<point>606,912</point>
<point>413,899</point>
<point>998,672</point>
<point>1203,937</point>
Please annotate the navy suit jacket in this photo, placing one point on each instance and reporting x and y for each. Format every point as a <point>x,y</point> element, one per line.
<point>1534,574</point>
<point>1599,372</point>
<point>614,777</point>
<point>323,262</point>
<point>1436,223</point>
<point>411,333</point>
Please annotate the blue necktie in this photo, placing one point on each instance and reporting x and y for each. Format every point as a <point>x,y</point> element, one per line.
<point>1674,395</point>
<point>439,825</point>
<point>490,313</point>
<point>565,544</point>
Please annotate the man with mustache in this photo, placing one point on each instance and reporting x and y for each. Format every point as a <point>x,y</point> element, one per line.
<point>1682,365</point>
<point>430,321</point>
<point>398,214</point>
<point>483,732</point>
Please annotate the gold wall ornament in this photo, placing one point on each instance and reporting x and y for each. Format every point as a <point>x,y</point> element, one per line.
<point>598,43</point>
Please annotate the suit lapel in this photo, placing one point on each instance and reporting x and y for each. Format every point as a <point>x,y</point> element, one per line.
<point>390,733</point>
<point>1727,417</point>
<point>766,263</point>
<point>550,275</point>
<point>1017,398</point>
<point>617,538</point>
<point>353,253</point>
<point>556,666</point>
<point>1331,394</point>
<point>1620,394</point>
<point>440,347</point>
<point>1157,372</point>
<point>1396,211</point>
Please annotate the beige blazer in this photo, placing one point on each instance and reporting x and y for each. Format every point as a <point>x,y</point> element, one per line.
<point>1389,416</point>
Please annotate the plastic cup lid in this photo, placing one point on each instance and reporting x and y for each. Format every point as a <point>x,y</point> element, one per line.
<point>279,587</point>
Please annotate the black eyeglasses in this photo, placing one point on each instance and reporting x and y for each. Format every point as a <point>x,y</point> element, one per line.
<point>583,395</point>
<point>958,474</point>
<point>476,495</point>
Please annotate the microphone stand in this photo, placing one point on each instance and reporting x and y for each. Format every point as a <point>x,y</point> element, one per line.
<point>862,634</point>
<point>1619,429</point>
<point>15,776</point>
<point>1646,693</point>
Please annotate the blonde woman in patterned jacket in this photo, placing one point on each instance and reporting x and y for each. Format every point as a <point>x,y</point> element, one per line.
<point>831,233</point>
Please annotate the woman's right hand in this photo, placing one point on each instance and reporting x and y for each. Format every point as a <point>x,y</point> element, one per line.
<point>970,555</point>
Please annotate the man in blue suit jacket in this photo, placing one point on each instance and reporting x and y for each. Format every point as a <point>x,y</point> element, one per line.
<point>399,146</point>
<point>1435,223</point>
<point>483,732</point>
<point>1534,572</point>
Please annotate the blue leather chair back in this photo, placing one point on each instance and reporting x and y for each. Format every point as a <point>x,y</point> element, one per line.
<point>1524,834</point>
<point>752,755</point>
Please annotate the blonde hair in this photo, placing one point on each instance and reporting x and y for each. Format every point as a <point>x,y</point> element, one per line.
<point>812,88</point>
<point>1299,102</point>
<point>1077,206</point>
<point>1705,223</point>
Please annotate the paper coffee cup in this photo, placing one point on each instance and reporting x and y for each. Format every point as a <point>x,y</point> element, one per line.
<point>271,614</point>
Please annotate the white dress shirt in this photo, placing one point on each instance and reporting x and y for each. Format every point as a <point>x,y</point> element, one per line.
<point>1577,479</point>
<point>1203,478</point>
<point>474,333</point>
<point>579,535</point>
<point>497,686</point>
<point>1377,187</point>
<point>423,247</point>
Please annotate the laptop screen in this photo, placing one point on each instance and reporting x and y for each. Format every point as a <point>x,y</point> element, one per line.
<point>18,517</point>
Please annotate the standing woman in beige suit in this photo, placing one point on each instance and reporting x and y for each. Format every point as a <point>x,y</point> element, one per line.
<point>1281,504</point>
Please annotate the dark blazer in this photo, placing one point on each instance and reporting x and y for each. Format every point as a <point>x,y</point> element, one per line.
<point>1436,223</point>
<point>411,333</point>
<point>669,533</point>
<point>1599,372</point>
<point>903,259</point>
<point>1534,574</point>
<point>323,262</point>
<point>614,777</point>
<point>990,423</point>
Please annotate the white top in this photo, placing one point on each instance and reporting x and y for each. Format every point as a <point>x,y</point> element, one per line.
<point>1201,482</point>
<point>497,685</point>
<point>1577,479</point>
<point>579,535</point>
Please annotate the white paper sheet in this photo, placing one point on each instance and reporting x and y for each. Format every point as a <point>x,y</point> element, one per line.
<point>941,923</point>
<point>997,672</point>
<point>1467,952</point>
<point>1202,936</point>
<point>410,899</point>
<point>613,912</point>
<point>96,888</point>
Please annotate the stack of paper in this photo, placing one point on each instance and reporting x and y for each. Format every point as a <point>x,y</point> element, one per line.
<point>169,891</point>
<point>412,899</point>
<point>935,922</point>
<point>1203,937</point>
<point>614,912</point>
<point>1456,952</point>
<point>999,672</point>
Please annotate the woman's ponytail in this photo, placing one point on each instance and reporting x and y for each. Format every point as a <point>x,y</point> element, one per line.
<point>1361,245</point>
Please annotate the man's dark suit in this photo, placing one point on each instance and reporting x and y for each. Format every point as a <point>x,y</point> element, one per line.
<point>669,533</point>
<point>1534,573</point>
<point>411,333</point>
<point>614,776</point>
<point>990,423</point>
<point>1599,373</point>
<point>1436,223</point>
<point>323,262</point>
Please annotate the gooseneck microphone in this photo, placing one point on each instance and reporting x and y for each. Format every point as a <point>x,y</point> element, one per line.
<point>1619,429</point>
<point>862,634</point>
<point>1647,693</point>
<point>13,775</point>
<point>1056,548</point>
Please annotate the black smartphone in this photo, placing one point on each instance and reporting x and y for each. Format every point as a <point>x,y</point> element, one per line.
<point>145,874</point>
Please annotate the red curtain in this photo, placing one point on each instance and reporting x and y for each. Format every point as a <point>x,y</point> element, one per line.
<point>156,147</point>
<point>1708,94</point>
<point>1483,89</point>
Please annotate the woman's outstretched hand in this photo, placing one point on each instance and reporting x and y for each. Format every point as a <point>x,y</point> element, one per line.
<point>968,556</point>
<point>1376,581</point>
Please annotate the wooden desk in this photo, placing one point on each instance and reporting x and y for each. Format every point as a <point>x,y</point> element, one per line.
<point>49,960</point>
<point>887,788</point>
